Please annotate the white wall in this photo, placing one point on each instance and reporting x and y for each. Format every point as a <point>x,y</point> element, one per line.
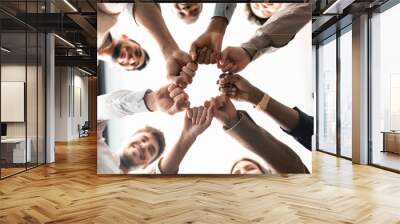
<point>34,125</point>
<point>68,81</point>
<point>285,74</point>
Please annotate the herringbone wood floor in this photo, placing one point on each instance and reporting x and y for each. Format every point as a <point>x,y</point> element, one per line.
<point>69,191</point>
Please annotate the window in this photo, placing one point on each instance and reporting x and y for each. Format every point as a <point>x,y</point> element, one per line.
<point>327,96</point>
<point>346,93</point>
<point>22,75</point>
<point>385,89</point>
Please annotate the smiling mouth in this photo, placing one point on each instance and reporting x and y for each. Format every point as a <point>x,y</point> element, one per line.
<point>129,54</point>
<point>124,57</point>
<point>140,152</point>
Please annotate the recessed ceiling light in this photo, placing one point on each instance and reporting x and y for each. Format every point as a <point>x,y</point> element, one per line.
<point>70,5</point>
<point>5,50</point>
<point>64,40</point>
<point>84,71</point>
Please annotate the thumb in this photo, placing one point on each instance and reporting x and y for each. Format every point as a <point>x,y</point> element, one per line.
<point>217,51</point>
<point>193,51</point>
<point>210,114</point>
<point>223,57</point>
<point>217,47</point>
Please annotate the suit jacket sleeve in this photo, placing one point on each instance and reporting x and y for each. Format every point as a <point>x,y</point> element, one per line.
<point>279,29</point>
<point>280,156</point>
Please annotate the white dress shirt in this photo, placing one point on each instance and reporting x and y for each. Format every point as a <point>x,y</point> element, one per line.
<point>113,106</point>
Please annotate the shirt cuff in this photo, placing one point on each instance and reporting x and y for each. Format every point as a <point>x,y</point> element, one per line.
<point>250,49</point>
<point>224,10</point>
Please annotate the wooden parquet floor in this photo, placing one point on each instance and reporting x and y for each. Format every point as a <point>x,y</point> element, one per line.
<point>69,191</point>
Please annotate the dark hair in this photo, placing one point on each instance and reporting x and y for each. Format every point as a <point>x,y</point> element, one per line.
<point>248,160</point>
<point>117,52</point>
<point>253,17</point>
<point>145,62</point>
<point>158,135</point>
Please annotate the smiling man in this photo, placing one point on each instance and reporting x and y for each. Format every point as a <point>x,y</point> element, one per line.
<point>124,52</point>
<point>128,53</point>
<point>146,145</point>
<point>142,148</point>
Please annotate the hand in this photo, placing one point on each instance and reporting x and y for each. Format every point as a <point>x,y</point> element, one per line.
<point>233,59</point>
<point>223,110</point>
<point>197,120</point>
<point>176,61</point>
<point>238,88</point>
<point>170,99</point>
<point>206,49</point>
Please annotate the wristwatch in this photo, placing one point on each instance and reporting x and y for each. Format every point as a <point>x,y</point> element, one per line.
<point>263,104</point>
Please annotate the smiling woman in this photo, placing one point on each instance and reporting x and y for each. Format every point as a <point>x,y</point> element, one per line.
<point>194,143</point>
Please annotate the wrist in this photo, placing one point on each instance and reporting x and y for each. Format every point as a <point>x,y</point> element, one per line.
<point>229,123</point>
<point>187,137</point>
<point>256,96</point>
<point>218,24</point>
<point>249,55</point>
<point>169,49</point>
<point>149,100</point>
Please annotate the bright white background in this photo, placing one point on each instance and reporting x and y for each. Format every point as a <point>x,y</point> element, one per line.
<point>285,74</point>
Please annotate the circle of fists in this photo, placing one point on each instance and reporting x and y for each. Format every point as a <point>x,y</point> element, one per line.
<point>182,67</point>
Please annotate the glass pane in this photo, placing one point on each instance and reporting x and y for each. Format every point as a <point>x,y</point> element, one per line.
<point>31,100</point>
<point>13,87</point>
<point>327,97</point>
<point>346,94</point>
<point>385,114</point>
<point>41,99</point>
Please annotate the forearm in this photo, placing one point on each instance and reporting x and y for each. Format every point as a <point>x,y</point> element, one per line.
<point>281,157</point>
<point>279,29</point>
<point>218,24</point>
<point>170,163</point>
<point>286,117</point>
<point>149,16</point>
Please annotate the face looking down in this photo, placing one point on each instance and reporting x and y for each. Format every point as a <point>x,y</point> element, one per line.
<point>264,10</point>
<point>246,167</point>
<point>129,54</point>
<point>189,12</point>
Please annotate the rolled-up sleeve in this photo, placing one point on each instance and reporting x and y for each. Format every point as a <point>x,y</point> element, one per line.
<point>120,103</point>
<point>225,10</point>
<point>279,29</point>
